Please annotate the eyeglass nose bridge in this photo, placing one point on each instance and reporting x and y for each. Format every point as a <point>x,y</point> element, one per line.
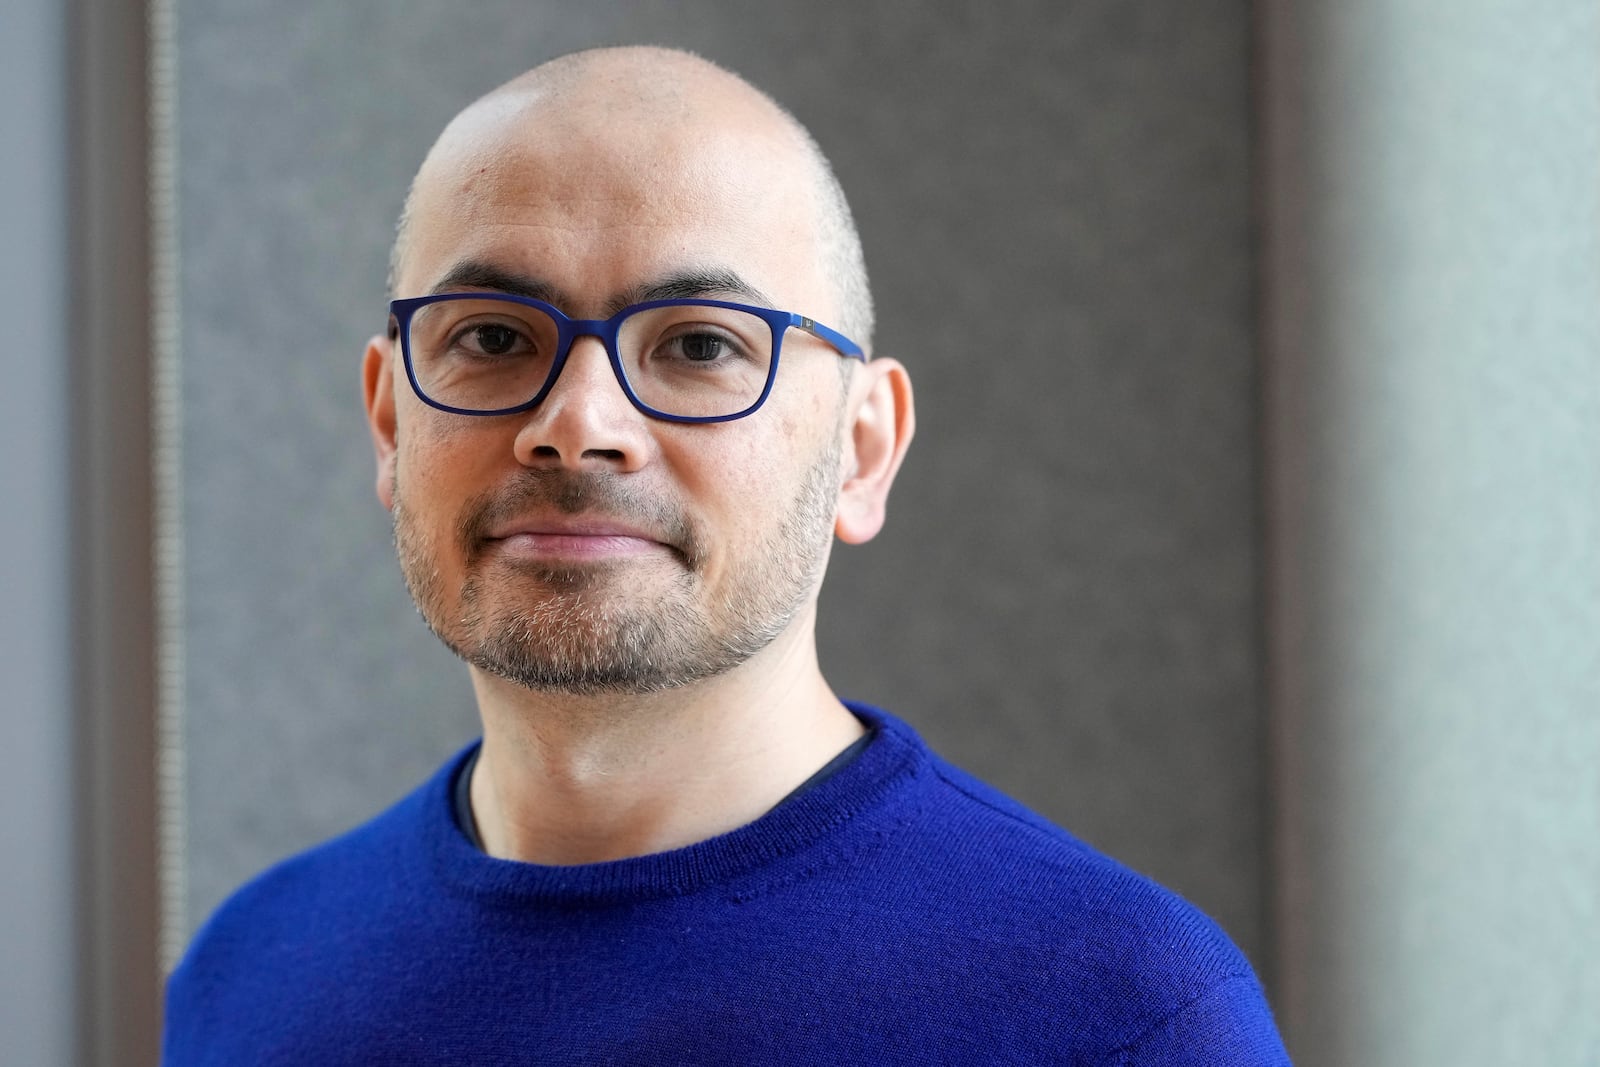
<point>569,331</point>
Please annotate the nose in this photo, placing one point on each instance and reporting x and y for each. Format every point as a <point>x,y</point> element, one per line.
<point>585,422</point>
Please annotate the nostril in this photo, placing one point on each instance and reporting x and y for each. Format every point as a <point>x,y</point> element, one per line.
<point>546,452</point>
<point>605,453</point>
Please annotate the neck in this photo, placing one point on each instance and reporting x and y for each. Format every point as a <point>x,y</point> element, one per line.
<point>573,780</point>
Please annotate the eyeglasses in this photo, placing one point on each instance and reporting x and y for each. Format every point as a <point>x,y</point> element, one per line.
<point>680,360</point>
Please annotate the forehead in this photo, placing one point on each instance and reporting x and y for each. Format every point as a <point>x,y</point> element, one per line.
<point>595,200</point>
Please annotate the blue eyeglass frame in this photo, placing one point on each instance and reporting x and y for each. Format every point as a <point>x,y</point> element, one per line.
<point>569,330</point>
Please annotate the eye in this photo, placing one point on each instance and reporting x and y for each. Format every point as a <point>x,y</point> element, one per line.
<point>700,347</point>
<point>699,344</point>
<point>492,339</point>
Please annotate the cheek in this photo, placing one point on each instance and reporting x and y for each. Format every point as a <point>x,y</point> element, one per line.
<point>758,474</point>
<point>440,455</point>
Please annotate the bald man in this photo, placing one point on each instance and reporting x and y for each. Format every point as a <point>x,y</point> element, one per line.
<point>624,403</point>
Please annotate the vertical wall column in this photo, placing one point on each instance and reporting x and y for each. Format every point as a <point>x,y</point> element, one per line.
<point>1432,291</point>
<point>79,982</point>
<point>114,619</point>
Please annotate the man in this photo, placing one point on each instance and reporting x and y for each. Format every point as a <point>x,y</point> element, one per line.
<point>618,417</point>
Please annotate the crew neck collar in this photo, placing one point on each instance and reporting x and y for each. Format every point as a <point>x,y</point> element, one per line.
<point>884,768</point>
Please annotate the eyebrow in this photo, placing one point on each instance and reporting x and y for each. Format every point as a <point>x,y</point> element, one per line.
<point>688,285</point>
<point>474,274</point>
<point>683,285</point>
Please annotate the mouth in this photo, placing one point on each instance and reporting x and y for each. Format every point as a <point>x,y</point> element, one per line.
<point>561,518</point>
<point>572,538</point>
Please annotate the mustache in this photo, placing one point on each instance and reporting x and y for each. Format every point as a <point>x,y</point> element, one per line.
<point>598,494</point>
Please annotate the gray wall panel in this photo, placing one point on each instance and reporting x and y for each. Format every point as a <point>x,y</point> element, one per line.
<point>1055,201</point>
<point>1434,333</point>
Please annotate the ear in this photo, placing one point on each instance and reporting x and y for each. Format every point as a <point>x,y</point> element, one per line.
<point>881,424</point>
<point>377,386</point>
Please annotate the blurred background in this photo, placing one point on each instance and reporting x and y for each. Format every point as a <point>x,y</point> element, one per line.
<point>1251,532</point>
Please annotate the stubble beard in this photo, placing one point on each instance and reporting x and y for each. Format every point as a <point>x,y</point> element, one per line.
<point>589,630</point>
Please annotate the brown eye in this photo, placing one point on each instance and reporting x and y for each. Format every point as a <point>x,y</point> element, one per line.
<point>702,347</point>
<point>494,340</point>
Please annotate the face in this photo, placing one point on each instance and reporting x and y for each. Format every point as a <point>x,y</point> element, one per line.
<point>583,547</point>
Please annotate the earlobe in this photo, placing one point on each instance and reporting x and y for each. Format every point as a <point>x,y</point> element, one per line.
<point>377,385</point>
<point>881,427</point>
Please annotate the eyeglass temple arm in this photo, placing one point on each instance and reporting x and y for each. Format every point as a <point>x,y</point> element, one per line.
<point>838,340</point>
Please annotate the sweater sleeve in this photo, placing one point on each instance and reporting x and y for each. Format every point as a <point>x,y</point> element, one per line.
<point>1229,1025</point>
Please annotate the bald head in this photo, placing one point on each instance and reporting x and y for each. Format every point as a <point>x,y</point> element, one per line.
<point>636,104</point>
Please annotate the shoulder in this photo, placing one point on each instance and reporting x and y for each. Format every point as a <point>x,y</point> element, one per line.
<point>1107,951</point>
<point>328,902</point>
<point>1097,911</point>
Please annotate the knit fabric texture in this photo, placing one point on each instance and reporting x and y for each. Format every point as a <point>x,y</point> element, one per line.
<point>899,912</point>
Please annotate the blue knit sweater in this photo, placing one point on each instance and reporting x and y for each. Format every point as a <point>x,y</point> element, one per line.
<point>897,912</point>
